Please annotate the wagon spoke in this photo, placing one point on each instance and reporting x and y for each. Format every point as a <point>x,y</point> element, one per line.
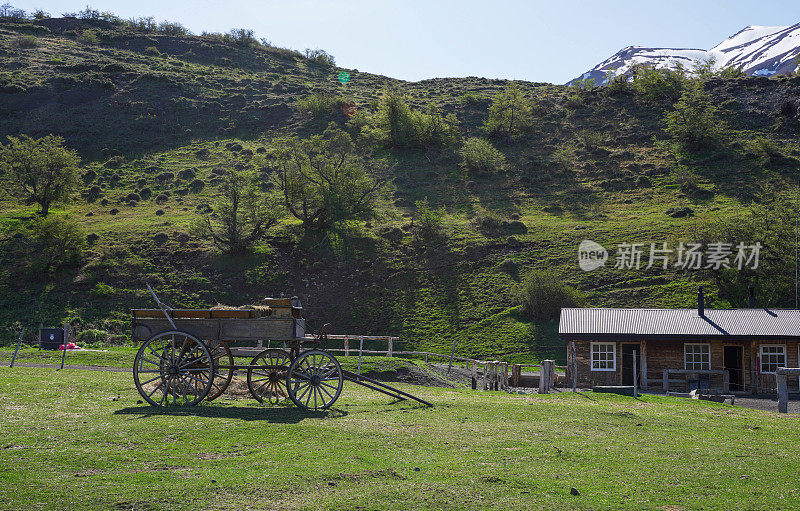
<point>155,389</point>
<point>166,390</point>
<point>325,391</point>
<point>151,379</point>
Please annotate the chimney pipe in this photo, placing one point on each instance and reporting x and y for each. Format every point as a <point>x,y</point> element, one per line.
<point>701,302</point>
<point>751,297</point>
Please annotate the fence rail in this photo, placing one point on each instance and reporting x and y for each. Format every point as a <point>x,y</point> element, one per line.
<point>493,374</point>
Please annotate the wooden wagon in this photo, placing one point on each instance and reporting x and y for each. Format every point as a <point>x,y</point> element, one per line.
<point>185,355</point>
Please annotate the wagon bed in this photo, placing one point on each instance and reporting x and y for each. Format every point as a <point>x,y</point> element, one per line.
<point>219,325</point>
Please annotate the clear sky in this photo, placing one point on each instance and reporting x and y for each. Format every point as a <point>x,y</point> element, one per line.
<point>536,40</point>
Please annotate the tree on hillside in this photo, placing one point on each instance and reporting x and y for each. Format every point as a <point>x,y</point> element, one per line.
<point>242,216</point>
<point>693,122</point>
<point>543,295</point>
<point>40,171</point>
<point>324,180</point>
<point>402,127</point>
<point>54,242</point>
<point>770,221</point>
<point>509,114</point>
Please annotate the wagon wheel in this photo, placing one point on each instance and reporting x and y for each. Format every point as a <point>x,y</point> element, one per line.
<point>223,368</point>
<point>173,368</point>
<point>314,380</point>
<point>266,376</point>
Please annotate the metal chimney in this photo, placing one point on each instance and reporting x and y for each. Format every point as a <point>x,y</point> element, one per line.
<point>701,302</point>
<point>751,297</point>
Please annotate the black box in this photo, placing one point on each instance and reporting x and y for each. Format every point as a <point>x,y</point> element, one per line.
<point>51,338</point>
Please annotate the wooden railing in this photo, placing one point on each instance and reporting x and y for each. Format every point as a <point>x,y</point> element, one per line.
<point>485,374</point>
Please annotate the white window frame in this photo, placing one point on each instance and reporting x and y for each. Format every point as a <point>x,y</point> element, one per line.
<point>685,353</point>
<point>613,357</point>
<point>761,356</point>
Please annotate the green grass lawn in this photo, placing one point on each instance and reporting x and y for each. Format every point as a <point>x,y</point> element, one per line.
<point>80,440</point>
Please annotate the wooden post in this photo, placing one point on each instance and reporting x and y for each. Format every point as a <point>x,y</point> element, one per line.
<point>753,368</point>
<point>66,341</point>
<point>635,394</point>
<point>452,354</point>
<point>783,393</point>
<point>505,375</point>
<point>546,376</point>
<point>360,352</point>
<point>426,357</point>
<point>516,374</point>
<point>574,369</point>
<point>389,353</point>
<point>485,382</point>
<point>346,347</point>
<point>666,381</point>
<point>644,365</point>
<point>726,381</point>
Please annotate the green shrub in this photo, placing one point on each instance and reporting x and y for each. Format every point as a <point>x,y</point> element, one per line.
<point>479,155</point>
<point>88,37</point>
<point>92,336</point>
<point>320,104</point>
<point>470,99</point>
<point>152,50</point>
<point>55,242</point>
<point>25,42</point>
<point>693,122</point>
<point>656,84</point>
<point>489,223</point>
<point>765,146</point>
<point>731,72</point>
<point>509,114</point>
<point>244,37</point>
<point>320,57</point>
<point>101,290</point>
<point>542,295</point>
<point>428,222</point>
<point>403,128</point>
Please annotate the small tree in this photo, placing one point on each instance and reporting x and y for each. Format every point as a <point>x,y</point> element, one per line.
<point>542,296</point>
<point>41,171</point>
<point>324,180</point>
<point>401,127</point>
<point>509,114</point>
<point>694,122</point>
<point>479,155</point>
<point>55,242</point>
<point>242,216</point>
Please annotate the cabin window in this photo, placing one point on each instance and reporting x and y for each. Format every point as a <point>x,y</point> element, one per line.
<point>697,357</point>
<point>604,356</point>
<point>773,356</point>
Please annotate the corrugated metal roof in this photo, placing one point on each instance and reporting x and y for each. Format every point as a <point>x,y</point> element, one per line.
<point>680,322</point>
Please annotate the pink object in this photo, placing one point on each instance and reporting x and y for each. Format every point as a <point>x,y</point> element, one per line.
<point>61,347</point>
<point>70,346</point>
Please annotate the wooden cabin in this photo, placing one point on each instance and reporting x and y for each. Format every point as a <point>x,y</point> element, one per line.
<point>735,349</point>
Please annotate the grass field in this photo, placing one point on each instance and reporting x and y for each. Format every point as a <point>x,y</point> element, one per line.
<point>80,440</point>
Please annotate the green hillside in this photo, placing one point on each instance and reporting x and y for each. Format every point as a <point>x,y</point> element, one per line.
<point>155,117</point>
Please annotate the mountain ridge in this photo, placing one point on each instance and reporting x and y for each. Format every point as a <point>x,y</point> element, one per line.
<point>757,50</point>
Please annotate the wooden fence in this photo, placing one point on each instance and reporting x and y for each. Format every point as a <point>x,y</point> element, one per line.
<point>485,374</point>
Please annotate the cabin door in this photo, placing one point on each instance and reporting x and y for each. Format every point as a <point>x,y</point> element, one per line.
<point>732,361</point>
<point>627,362</point>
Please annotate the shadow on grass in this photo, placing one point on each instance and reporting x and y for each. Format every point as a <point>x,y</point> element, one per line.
<point>282,415</point>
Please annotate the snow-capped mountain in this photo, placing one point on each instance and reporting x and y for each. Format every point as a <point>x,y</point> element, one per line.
<point>756,50</point>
